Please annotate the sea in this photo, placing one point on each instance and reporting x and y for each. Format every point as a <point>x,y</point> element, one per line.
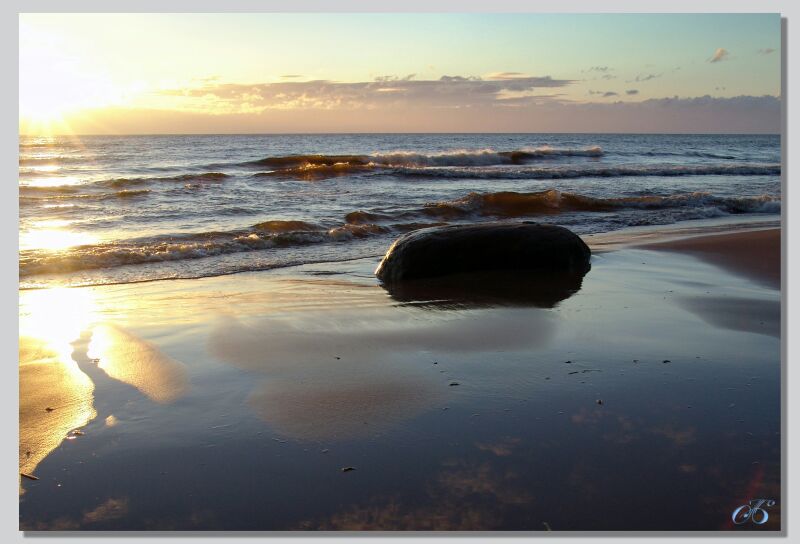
<point>117,209</point>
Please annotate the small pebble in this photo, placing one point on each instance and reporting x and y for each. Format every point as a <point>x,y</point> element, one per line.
<point>599,401</point>
<point>665,361</point>
<point>454,383</point>
<point>348,469</point>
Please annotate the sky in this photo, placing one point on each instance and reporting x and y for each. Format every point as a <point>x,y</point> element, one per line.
<point>274,73</point>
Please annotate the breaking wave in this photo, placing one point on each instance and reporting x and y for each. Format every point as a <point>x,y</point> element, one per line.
<point>511,204</point>
<point>331,165</point>
<point>490,164</point>
<point>361,224</point>
<point>261,236</point>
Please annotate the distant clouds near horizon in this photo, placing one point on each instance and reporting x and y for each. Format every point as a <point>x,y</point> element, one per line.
<point>722,75</point>
<point>745,114</point>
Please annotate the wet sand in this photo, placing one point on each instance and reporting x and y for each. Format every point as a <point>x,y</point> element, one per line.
<point>236,402</point>
<point>756,254</point>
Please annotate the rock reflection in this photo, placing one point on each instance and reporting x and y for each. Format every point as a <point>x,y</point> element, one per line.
<point>487,289</point>
<point>129,359</point>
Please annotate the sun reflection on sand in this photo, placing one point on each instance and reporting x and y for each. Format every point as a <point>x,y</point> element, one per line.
<point>136,362</point>
<point>55,395</point>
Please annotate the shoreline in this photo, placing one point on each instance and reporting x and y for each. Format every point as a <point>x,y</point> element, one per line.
<point>597,242</point>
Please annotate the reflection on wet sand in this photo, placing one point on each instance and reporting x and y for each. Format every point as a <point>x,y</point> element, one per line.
<point>341,374</point>
<point>274,345</point>
<point>111,509</point>
<point>487,289</point>
<point>464,496</point>
<point>737,314</point>
<point>129,359</point>
<point>338,410</point>
<point>55,397</point>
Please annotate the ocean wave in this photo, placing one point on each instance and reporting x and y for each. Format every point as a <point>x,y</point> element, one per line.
<point>512,204</point>
<point>686,153</point>
<point>124,182</point>
<point>284,233</point>
<point>117,183</point>
<point>264,235</point>
<point>461,157</point>
<point>286,226</point>
<point>48,189</point>
<point>487,165</point>
<point>32,195</point>
<point>53,160</point>
<point>570,172</point>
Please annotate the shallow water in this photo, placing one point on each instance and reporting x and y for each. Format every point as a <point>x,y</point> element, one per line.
<point>240,399</point>
<point>97,210</point>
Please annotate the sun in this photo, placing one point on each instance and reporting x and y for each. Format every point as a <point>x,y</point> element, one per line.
<point>55,84</point>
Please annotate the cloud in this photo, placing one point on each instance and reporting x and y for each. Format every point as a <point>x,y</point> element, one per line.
<point>385,91</point>
<point>608,76</point>
<point>500,76</point>
<point>719,55</point>
<point>766,51</point>
<point>597,69</point>
<point>291,76</point>
<point>631,92</point>
<point>645,77</point>
<point>703,114</point>
<point>604,94</point>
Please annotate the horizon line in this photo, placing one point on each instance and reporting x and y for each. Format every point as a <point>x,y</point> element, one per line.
<point>621,133</point>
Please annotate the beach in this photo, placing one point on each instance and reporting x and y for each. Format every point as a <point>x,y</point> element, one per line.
<point>310,397</point>
<point>445,274</point>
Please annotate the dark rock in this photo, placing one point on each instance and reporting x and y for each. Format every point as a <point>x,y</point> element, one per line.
<point>440,251</point>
